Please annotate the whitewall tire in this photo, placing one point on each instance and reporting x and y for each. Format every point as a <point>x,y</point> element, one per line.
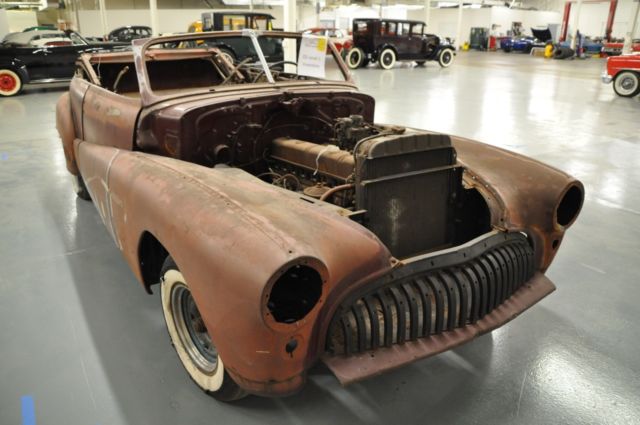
<point>445,58</point>
<point>10,83</point>
<point>627,84</point>
<point>190,338</point>
<point>387,58</point>
<point>355,58</point>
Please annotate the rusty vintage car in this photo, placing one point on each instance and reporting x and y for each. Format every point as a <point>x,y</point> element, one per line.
<point>284,227</point>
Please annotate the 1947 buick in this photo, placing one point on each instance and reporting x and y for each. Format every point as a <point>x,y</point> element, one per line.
<point>284,227</point>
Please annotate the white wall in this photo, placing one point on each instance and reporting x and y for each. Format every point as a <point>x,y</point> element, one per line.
<point>4,23</point>
<point>170,20</point>
<point>18,20</point>
<point>444,21</point>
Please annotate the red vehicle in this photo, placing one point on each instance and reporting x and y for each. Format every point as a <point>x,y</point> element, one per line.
<point>624,71</point>
<point>341,39</point>
<point>615,48</point>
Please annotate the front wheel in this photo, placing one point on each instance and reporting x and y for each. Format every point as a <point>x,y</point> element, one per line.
<point>387,58</point>
<point>191,339</point>
<point>81,188</point>
<point>627,84</point>
<point>445,58</point>
<point>355,58</point>
<point>10,83</point>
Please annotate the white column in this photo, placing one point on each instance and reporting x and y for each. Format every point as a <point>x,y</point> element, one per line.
<point>290,15</point>
<point>103,17</point>
<point>632,31</point>
<point>153,11</point>
<point>427,12</point>
<point>576,21</point>
<point>459,27</point>
<point>251,5</point>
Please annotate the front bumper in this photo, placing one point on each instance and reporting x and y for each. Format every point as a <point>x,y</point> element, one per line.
<point>432,304</point>
<point>606,78</point>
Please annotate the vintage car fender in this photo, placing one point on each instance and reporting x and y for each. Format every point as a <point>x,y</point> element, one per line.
<point>64,124</point>
<point>232,236</point>
<point>16,66</point>
<point>523,194</point>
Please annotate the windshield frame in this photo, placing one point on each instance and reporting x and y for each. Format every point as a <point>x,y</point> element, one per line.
<point>149,97</point>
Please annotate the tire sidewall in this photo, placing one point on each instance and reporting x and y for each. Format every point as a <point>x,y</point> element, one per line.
<point>212,382</point>
<point>5,72</point>
<point>386,52</point>
<point>359,55</point>
<point>445,58</point>
<point>621,77</point>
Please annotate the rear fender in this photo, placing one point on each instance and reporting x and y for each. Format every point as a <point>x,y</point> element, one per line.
<point>231,235</point>
<point>64,124</point>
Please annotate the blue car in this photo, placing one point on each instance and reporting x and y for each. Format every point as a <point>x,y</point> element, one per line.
<point>525,44</point>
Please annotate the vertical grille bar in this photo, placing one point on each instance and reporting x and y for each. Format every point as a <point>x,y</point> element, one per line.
<point>437,292</point>
<point>400,314</point>
<point>388,318</point>
<point>426,306</point>
<point>370,304</point>
<point>413,311</point>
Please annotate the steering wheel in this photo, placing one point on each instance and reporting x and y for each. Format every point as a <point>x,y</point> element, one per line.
<point>261,73</point>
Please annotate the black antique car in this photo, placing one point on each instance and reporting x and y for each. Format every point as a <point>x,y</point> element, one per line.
<point>389,40</point>
<point>39,57</point>
<point>238,49</point>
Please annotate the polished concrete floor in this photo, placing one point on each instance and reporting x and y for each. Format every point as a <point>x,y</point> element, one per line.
<point>83,344</point>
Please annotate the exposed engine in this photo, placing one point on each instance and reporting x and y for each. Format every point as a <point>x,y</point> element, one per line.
<point>403,185</point>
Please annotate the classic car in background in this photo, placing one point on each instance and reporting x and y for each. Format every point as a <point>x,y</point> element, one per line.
<point>614,48</point>
<point>39,57</point>
<point>388,40</point>
<point>340,38</point>
<point>284,227</point>
<point>130,32</point>
<point>526,44</point>
<point>237,49</point>
<point>624,72</point>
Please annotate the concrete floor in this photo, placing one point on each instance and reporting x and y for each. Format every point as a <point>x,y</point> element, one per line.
<point>83,341</point>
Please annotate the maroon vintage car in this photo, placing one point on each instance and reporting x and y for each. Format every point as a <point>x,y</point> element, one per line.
<point>624,71</point>
<point>284,227</point>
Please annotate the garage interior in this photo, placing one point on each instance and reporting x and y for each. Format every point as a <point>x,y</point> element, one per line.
<point>82,343</point>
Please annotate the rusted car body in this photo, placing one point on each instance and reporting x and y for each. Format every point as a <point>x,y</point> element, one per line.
<point>305,231</point>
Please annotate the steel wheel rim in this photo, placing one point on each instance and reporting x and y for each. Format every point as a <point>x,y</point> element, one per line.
<point>627,84</point>
<point>354,58</point>
<point>7,82</point>
<point>386,59</point>
<point>191,330</point>
<point>446,57</point>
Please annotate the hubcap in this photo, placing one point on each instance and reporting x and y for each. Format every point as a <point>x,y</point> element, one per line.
<point>7,82</point>
<point>387,59</point>
<point>627,83</point>
<point>355,57</point>
<point>446,57</point>
<point>192,330</point>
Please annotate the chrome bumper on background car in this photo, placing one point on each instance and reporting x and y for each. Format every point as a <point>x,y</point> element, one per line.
<point>432,304</point>
<point>606,78</point>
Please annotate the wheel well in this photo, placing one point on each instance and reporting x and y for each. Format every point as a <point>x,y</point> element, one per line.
<point>151,256</point>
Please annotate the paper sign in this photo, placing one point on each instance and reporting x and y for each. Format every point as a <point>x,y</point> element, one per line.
<point>313,50</point>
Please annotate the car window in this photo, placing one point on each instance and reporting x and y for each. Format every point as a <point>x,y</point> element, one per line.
<point>392,28</point>
<point>361,27</point>
<point>417,29</point>
<point>233,22</point>
<point>260,23</point>
<point>403,29</point>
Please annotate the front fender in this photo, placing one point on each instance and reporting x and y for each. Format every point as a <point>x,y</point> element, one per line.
<point>522,193</point>
<point>16,66</point>
<point>230,234</point>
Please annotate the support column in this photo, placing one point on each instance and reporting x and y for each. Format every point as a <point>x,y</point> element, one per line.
<point>628,39</point>
<point>103,17</point>
<point>565,21</point>
<point>153,11</point>
<point>427,12</point>
<point>576,22</point>
<point>459,26</point>
<point>251,5</point>
<point>290,15</point>
<point>612,14</point>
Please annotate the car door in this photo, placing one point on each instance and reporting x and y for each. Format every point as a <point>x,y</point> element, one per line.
<point>36,61</point>
<point>416,44</point>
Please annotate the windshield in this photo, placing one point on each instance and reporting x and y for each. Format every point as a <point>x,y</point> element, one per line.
<point>211,61</point>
